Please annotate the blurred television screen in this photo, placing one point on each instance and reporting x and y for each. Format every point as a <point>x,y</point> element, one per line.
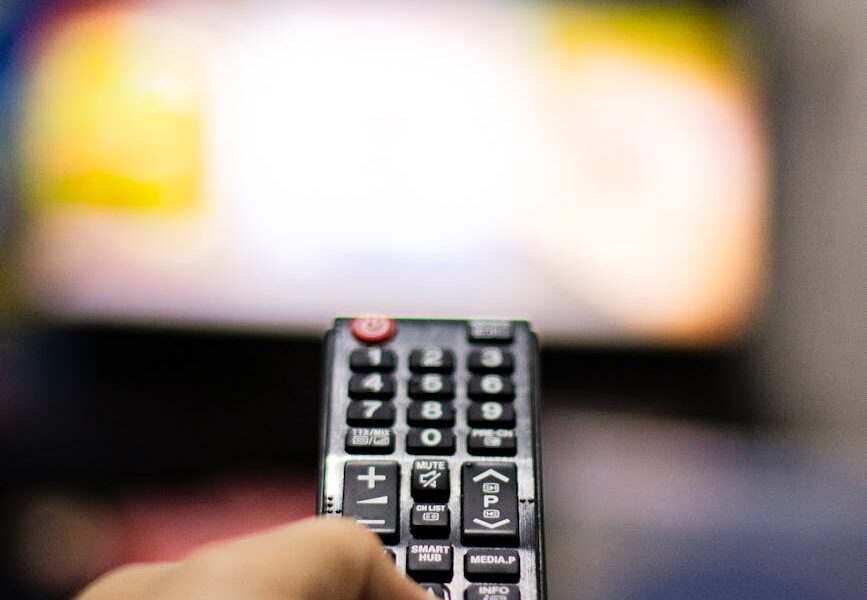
<point>601,170</point>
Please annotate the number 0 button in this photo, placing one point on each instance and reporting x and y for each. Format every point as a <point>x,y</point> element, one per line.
<point>430,441</point>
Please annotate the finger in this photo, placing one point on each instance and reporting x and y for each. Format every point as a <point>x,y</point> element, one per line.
<point>131,582</point>
<point>314,559</point>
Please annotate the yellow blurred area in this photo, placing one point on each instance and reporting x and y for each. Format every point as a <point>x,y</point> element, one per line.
<point>690,39</point>
<point>114,115</point>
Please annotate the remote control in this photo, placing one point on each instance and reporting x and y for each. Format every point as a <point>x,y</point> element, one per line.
<point>430,439</point>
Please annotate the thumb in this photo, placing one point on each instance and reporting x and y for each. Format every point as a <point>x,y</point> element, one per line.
<point>320,558</point>
<point>315,559</point>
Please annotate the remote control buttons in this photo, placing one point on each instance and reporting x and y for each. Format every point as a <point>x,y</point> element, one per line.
<point>431,385</point>
<point>430,441</point>
<point>431,413</point>
<point>373,329</point>
<point>490,591</point>
<point>371,385</point>
<point>371,496</point>
<point>435,590</point>
<point>491,360</point>
<point>491,413</point>
<point>491,442</point>
<point>436,360</point>
<point>372,359</point>
<point>489,507</point>
<point>369,440</point>
<point>496,564</point>
<point>370,412</point>
<point>427,561</point>
<point>491,387</point>
<point>490,332</point>
<point>430,480</point>
<point>430,520</point>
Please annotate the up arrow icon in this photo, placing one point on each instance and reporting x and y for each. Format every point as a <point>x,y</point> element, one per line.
<point>490,473</point>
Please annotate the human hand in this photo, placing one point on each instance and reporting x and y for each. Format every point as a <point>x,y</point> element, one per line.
<point>315,559</point>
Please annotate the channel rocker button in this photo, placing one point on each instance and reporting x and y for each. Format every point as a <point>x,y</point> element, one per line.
<point>373,329</point>
<point>489,494</point>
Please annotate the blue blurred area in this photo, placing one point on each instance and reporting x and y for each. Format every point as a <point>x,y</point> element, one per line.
<point>652,509</point>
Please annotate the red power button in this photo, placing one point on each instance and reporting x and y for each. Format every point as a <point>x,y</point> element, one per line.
<point>372,330</point>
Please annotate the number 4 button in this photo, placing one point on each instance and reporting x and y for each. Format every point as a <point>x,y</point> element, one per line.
<point>371,385</point>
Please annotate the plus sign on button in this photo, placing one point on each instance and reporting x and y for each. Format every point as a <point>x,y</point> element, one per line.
<point>370,496</point>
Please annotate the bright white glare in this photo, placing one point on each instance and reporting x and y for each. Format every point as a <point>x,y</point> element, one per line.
<point>425,158</point>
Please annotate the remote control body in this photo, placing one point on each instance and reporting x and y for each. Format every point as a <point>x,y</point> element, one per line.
<point>430,438</point>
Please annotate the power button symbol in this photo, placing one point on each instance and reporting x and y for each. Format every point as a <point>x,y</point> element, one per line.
<point>373,329</point>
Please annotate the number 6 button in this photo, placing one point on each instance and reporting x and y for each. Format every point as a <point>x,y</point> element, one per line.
<point>491,387</point>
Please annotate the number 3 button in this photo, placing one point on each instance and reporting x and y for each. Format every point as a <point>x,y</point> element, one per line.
<point>430,441</point>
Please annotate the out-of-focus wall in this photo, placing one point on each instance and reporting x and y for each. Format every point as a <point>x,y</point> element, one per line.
<point>814,347</point>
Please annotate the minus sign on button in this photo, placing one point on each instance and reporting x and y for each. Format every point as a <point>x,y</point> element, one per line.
<point>371,521</point>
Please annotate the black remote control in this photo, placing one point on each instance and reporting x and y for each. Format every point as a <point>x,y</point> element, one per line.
<point>430,438</point>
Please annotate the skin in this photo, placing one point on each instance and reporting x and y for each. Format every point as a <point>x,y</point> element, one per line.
<point>315,559</point>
